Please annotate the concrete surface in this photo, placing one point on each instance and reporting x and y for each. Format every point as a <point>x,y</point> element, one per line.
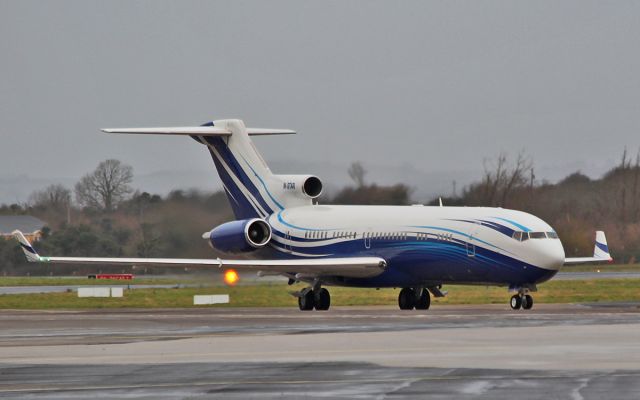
<point>588,351</point>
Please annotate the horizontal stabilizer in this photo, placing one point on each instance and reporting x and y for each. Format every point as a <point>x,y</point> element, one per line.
<point>196,131</point>
<point>176,130</point>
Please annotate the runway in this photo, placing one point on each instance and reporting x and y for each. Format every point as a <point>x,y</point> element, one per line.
<point>554,351</point>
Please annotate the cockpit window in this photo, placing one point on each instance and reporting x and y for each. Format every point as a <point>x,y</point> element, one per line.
<point>522,236</point>
<point>537,235</point>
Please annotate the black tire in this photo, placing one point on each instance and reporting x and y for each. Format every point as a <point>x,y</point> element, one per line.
<point>306,302</point>
<point>406,299</point>
<point>424,301</point>
<point>527,302</point>
<point>322,299</point>
<point>516,302</point>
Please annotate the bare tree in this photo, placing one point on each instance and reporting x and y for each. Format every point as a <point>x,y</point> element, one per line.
<point>517,177</point>
<point>105,187</point>
<point>500,179</point>
<point>56,197</point>
<point>357,172</point>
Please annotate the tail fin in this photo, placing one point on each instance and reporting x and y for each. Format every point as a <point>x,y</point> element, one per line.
<point>252,189</point>
<point>29,251</point>
<point>230,155</point>
<point>601,250</point>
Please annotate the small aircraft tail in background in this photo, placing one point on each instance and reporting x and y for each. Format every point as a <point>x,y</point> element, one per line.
<point>600,253</point>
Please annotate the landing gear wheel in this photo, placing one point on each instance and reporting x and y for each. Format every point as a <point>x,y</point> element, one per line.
<point>527,302</point>
<point>406,299</point>
<point>322,299</point>
<point>424,301</point>
<point>306,302</point>
<point>516,302</point>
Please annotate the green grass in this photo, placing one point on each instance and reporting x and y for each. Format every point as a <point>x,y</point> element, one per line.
<point>74,281</point>
<point>276,295</point>
<point>602,268</point>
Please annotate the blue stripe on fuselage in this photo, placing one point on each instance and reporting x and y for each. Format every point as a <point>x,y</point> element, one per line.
<point>263,184</point>
<point>283,222</point>
<point>514,223</point>
<point>228,157</point>
<point>411,262</point>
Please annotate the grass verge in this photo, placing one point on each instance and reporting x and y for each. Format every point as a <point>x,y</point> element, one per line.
<point>602,268</point>
<point>276,295</point>
<point>75,281</point>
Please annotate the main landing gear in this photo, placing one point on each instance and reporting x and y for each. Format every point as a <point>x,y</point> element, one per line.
<point>410,298</point>
<point>311,298</point>
<point>521,300</point>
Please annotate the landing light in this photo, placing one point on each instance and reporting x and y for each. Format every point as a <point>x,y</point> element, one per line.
<point>231,277</point>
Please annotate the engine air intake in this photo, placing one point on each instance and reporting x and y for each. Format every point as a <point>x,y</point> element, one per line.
<point>240,236</point>
<point>312,187</point>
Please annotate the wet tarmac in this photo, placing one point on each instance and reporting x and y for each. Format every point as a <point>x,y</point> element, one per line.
<point>582,351</point>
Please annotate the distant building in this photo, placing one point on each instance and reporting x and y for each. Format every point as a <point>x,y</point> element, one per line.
<point>30,226</point>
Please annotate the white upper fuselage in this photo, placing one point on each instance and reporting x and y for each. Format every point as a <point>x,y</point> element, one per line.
<point>465,239</point>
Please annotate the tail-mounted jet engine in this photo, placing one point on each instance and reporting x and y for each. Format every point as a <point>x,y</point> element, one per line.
<point>304,186</point>
<point>240,236</point>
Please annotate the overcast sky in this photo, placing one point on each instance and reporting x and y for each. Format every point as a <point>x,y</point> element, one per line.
<point>438,86</point>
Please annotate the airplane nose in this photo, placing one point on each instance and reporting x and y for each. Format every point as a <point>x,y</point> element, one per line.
<point>553,255</point>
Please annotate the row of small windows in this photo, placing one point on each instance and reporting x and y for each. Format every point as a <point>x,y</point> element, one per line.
<point>517,235</point>
<point>377,235</point>
<point>444,237</point>
<point>385,235</point>
<point>325,235</point>
<point>353,235</point>
<point>522,236</point>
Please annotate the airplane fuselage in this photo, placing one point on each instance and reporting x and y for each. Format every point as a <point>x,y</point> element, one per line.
<point>423,245</point>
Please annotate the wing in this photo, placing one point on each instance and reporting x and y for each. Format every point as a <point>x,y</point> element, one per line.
<point>600,253</point>
<point>352,267</point>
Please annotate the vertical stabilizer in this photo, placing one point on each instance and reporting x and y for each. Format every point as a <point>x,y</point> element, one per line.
<point>253,190</point>
<point>601,249</point>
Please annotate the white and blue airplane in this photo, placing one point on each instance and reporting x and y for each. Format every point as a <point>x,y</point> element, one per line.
<point>417,248</point>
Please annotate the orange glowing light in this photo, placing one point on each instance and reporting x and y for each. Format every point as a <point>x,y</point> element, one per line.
<point>231,277</point>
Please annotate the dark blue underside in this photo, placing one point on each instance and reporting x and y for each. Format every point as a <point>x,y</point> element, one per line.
<point>428,262</point>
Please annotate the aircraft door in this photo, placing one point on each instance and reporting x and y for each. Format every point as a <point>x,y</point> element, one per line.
<point>471,242</point>
<point>287,243</point>
<point>366,236</point>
